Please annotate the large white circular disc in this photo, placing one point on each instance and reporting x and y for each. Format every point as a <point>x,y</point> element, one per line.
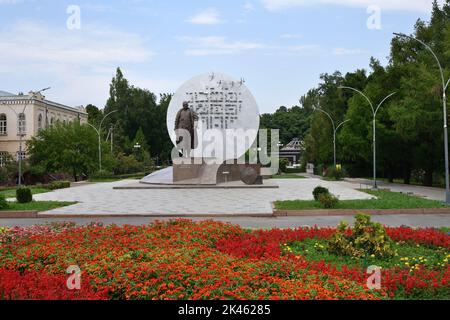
<point>224,105</point>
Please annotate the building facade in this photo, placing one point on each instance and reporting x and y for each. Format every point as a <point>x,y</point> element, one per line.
<point>292,151</point>
<point>22,116</point>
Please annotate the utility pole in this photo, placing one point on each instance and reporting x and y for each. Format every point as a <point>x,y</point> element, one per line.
<point>374,112</point>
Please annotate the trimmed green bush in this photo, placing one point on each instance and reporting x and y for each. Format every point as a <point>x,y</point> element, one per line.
<point>3,203</point>
<point>55,185</point>
<point>318,191</point>
<point>24,195</point>
<point>328,201</point>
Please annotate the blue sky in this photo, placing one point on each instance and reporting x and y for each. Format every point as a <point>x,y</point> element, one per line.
<point>280,47</point>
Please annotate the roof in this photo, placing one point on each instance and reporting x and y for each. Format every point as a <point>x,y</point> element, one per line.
<point>6,96</point>
<point>294,145</point>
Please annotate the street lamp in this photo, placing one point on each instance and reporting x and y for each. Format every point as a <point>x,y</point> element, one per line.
<point>99,133</point>
<point>335,130</point>
<point>21,133</point>
<point>445,85</point>
<point>374,111</point>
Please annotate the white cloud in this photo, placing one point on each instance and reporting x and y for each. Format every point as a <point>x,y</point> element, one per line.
<point>78,65</point>
<point>249,7</point>
<point>204,46</point>
<point>208,17</point>
<point>406,5</point>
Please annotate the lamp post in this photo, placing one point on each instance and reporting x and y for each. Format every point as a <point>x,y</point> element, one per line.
<point>375,112</point>
<point>99,133</point>
<point>445,85</point>
<point>21,132</point>
<point>335,130</point>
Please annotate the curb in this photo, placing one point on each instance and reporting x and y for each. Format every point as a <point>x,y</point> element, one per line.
<point>353,212</point>
<point>175,216</point>
<point>18,214</point>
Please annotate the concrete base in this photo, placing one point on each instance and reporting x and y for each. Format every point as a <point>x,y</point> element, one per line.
<point>194,174</point>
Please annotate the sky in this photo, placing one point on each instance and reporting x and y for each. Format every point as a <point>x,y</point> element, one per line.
<point>280,47</point>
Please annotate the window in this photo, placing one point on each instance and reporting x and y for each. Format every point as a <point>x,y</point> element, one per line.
<point>21,155</point>
<point>40,122</point>
<point>21,124</point>
<point>3,125</point>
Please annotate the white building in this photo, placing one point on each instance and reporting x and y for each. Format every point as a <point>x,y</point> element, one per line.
<point>22,116</point>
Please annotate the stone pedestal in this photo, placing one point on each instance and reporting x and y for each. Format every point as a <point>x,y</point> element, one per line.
<point>201,173</point>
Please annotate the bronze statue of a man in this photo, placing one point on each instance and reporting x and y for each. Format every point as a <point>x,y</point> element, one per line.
<point>186,123</point>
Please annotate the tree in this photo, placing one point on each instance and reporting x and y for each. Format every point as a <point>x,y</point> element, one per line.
<point>138,109</point>
<point>70,148</point>
<point>94,114</point>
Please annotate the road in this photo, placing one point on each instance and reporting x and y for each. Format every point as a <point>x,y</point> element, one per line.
<point>438,220</point>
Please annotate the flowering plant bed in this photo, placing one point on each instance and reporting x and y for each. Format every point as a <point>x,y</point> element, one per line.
<point>210,260</point>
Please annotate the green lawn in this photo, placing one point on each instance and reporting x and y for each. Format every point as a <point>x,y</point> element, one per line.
<point>37,206</point>
<point>407,255</point>
<point>385,200</point>
<point>289,176</point>
<point>445,229</point>
<point>11,193</point>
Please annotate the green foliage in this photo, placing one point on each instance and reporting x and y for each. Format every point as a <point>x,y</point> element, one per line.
<point>38,205</point>
<point>100,175</point>
<point>408,139</point>
<point>292,123</point>
<point>3,203</point>
<point>283,165</point>
<point>4,175</point>
<point>70,148</point>
<point>55,185</point>
<point>296,170</point>
<point>335,173</point>
<point>317,250</point>
<point>366,239</point>
<point>127,165</point>
<point>140,117</point>
<point>328,200</point>
<point>318,191</point>
<point>24,195</point>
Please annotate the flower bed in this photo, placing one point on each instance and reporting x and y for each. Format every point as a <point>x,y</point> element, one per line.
<point>186,260</point>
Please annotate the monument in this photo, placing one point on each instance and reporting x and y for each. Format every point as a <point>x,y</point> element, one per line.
<point>213,121</point>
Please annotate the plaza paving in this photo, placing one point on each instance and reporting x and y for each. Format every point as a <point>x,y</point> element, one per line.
<point>102,199</point>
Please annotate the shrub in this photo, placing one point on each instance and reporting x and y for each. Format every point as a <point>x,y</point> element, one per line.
<point>366,238</point>
<point>102,175</point>
<point>283,165</point>
<point>328,200</point>
<point>55,185</point>
<point>24,195</point>
<point>3,203</point>
<point>127,164</point>
<point>335,173</point>
<point>296,170</point>
<point>318,191</point>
